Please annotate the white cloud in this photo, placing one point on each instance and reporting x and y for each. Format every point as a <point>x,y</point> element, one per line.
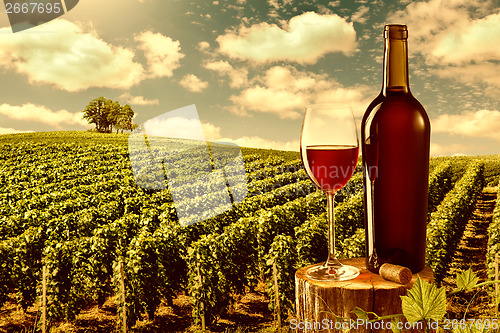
<point>304,40</point>
<point>73,57</point>
<point>41,114</point>
<point>184,128</point>
<point>475,72</point>
<point>175,127</point>
<point>138,100</point>
<point>453,149</point>
<point>276,4</point>
<point>258,142</point>
<point>459,37</point>
<point>263,99</point>
<point>285,91</point>
<point>69,57</point>
<point>429,20</point>
<point>4,130</point>
<point>238,77</point>
<point>203,46</point>
<point>211,131</point>
<point>193,83</point>
<point>162,53</point>
<point>479,124</point>
<point>360,15</point>
<point>472,42</point>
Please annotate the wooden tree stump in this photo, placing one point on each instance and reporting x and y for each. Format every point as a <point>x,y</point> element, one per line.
<point>318,302</point>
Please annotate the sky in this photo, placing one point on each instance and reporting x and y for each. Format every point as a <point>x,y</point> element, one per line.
<point>251,66</point>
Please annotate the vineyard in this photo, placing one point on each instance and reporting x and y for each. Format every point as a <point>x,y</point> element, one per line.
<point>73,202</point>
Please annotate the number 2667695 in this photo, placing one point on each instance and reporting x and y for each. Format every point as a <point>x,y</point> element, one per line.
<point>33,8</point>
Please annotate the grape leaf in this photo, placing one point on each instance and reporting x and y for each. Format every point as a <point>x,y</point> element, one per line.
<point>424,302</point>
<point>362,314</point>
<point>467,280</point>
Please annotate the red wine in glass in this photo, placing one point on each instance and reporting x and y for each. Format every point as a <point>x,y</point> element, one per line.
<point>332,166</point>
<point>329,150</point>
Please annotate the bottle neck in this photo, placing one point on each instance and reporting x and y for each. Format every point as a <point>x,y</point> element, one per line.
<point>395,66</point>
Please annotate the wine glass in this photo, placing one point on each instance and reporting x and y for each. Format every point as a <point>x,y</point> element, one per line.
<point>329,150</point>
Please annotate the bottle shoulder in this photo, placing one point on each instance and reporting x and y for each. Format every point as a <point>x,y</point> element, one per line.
<point>394,102</point>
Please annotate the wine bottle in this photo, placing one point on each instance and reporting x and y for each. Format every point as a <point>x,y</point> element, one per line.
<point>395,134</point>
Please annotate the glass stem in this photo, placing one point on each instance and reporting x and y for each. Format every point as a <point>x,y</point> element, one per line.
<point>332,260</point>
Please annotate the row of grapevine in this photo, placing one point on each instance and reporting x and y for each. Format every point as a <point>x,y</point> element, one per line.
<point>230,261</point>
<point>439,184</point>
<point>310,242</point>
<point>276,196</point>
<point>36,202</point>
<point>212,272</point>
<point>80,264</point>
<point>87,233</point>
<point>16,202</point>
<point>209,259</point>
<point>29,172</point>
<point>280,195</point>
<point>448,222</point>
<point>494,238</point>
<point>21,265</point>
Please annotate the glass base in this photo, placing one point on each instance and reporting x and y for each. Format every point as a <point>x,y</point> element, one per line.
<point>323,272</point>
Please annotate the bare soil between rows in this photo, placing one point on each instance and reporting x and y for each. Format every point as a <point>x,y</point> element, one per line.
<point>249,313</point>
<point>471,253</point>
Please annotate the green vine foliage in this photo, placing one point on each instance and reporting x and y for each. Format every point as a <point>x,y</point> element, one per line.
<point>283,256</point>
<point>27,264</point>
<point>207,285</point>
<point>220,265</point>
<point>237,245</point>
<point>448,222</point>
<point>494,239</point>
<point>281,220</point>
<point>354,246</point>
<point>171,249</point>
<point>6,269</point>
<point>312,235</point>
<point>311,240</point>
<point>354,186</point>
<point>142,274</point>
<point>349,217</point>
<point>439,184</point>
<point>100,257</point>
<point>65,294</point>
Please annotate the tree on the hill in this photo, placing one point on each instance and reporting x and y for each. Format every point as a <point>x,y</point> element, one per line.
<point>106,114</point>
<point>114,113</point>
<point>96,113</point>
<point>124,119</point>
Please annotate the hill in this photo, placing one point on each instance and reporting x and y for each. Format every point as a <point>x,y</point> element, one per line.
<point>90,211</point>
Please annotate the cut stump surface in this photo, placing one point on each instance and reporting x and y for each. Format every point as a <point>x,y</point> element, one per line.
<point>318,302</point>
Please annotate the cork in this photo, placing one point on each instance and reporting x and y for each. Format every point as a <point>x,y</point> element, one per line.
<point>395,273</point>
